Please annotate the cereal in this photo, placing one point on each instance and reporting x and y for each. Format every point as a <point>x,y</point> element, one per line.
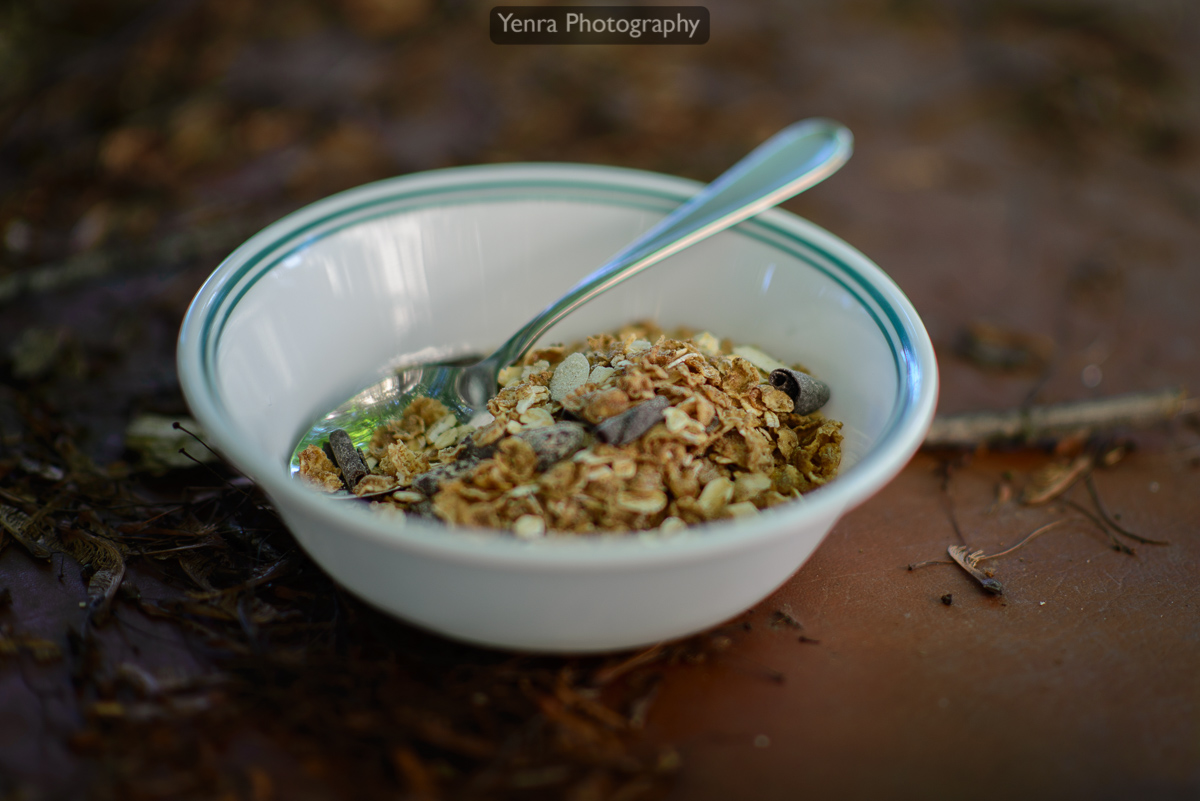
<point>318,470</point>
<point>529,527</point>
<point>759,359</point>
<point>600,374</point>
<point>634,430</point>
<point>375,483</point>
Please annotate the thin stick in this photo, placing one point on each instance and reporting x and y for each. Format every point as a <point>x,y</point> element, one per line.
<point>1082,466</point>
<point>928,562</point>
<point>948,502</point>
<point>1038,422</point>
<point>191,547</point>
<point>207,466</point>
<point>607,675</point>
<point>969,560</point>
<point>178,426</point>
<point>1117,545</point>
<point>1091,485</point>
<point>1035,533</point>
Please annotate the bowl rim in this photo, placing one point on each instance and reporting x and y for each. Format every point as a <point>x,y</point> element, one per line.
<point>916,364</point>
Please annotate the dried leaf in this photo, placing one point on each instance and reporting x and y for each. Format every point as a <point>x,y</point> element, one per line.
<point>24,530</point>
<point>1055,479</point>
<point>970,563</point>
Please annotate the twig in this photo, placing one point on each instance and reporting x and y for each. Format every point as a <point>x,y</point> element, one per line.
<point>969,560</point>
<point>1060,480</point>
<point>232,486</point>
<point>1029,537</point>
<point>1139,409</point>
<point>1104,515</point>
<point>178,426</point>
<point>606,675</point>
<point>948,502</point>
<point>1117,545</point>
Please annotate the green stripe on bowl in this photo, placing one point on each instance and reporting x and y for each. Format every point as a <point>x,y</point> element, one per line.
<point>292,241</point>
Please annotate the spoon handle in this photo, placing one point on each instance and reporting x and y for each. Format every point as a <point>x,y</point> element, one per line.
<point>798,157</point>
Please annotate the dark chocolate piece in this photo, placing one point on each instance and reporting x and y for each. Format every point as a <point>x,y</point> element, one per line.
<point>424,510</point>
<point>347,458</point>
<point>806,392</point>
<point>430,481</point>
<point>627,426</point>
<point>554,443</point>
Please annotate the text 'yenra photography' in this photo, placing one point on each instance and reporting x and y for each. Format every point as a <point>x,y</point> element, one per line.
<point>599,25</point>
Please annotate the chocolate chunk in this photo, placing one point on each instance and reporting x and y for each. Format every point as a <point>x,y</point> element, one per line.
<point>424,510</point>
<point>429,482</point>
<point>806,392</point>
<point>554,443</point>
<point>347,457</point>
<point>627,426</point>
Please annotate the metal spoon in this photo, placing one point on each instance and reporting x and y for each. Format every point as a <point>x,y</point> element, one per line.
<point>798,157</point>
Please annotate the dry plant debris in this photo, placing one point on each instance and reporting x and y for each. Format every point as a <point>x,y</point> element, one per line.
<point>631,431</point>
<point>1075,418</point>
<point>1050,483</point>
<point>335,687</point>
<point>993,348</point>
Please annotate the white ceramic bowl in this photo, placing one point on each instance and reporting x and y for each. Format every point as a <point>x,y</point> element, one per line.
<point>447,262</point>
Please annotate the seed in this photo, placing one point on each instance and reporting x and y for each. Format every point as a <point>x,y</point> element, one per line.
<point>538,418</point>
<point>742,509</point>
<point>600,374</point>
<point>529,527</point>
<point>759,359</point>
<point>749,486</point>
<point>715,495</point>
<point>672,525</point>
<point>647,504</point>
<point>569,376</point>
<point>676,419</point>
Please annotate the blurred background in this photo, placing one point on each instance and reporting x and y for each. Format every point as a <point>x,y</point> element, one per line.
<point>1026,170</point>
<point>1026,164</point>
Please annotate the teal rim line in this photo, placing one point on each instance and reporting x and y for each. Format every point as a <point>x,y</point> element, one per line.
<point>768,234</point>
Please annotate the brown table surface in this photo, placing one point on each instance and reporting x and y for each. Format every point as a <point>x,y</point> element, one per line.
<point>1031,165</point>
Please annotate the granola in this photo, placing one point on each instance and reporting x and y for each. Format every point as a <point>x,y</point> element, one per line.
<point>630,431</point>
